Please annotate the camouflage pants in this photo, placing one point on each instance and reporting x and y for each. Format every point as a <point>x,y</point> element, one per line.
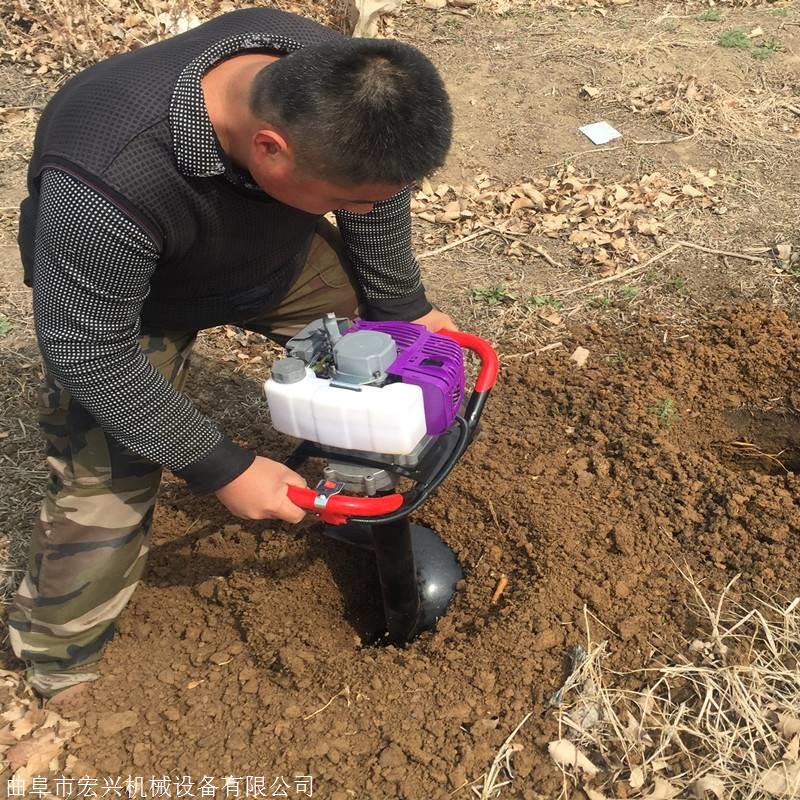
<point>91,540</point>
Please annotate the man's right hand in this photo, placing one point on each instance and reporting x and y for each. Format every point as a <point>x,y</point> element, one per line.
<point>260,492</point>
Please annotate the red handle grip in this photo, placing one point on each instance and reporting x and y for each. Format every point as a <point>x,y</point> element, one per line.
<point>486,353</point>
<point>340,506</point>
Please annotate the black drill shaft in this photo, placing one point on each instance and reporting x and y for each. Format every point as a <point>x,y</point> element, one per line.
<point>397,571</point>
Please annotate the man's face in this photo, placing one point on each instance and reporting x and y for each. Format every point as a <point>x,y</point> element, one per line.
<point>316,196</point>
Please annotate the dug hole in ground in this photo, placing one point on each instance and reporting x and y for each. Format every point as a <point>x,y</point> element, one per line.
<point>633,491</point>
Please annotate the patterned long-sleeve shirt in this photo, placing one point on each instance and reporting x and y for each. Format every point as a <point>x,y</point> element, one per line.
<point>92,270</point>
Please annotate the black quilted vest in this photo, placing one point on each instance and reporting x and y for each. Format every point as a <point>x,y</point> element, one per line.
<point>225,252</point>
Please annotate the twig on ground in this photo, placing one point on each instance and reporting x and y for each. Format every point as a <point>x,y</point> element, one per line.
<point>624,274</point>
<point>716,252</point>
<point>750,450</point>
<point>494,516</point>
<point>542,253</point>
<point>456,243</point>
<point>596,150</point>
<point>546,348</point>
<point>639,267</point>
<point>502,585</point>
<point>342,693</point>
<point>672,140</point>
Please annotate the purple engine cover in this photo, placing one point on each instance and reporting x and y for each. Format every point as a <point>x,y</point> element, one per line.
<point>432,362</point>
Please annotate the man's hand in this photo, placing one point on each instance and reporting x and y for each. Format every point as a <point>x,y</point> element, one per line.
<point>437,321</point>
<point>260,492</point>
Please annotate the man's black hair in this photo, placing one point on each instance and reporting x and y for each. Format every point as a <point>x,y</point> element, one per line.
<point>358,110</point>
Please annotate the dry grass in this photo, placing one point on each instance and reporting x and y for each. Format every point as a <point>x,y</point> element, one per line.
<point>59,37</point>
<point>500,773</point>
<point>761,117</point>
<point>721,717</point>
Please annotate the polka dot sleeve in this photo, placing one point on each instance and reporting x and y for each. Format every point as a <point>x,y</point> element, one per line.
<point>92,268</point>
<point>379,246</point>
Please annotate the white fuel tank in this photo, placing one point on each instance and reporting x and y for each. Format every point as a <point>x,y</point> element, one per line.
<point>388,419</point>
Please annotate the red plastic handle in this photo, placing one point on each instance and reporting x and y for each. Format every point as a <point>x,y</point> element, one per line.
<point>341,506</point>
<point>486,353</point>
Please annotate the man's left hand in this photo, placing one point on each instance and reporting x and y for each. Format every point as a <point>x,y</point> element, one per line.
<point>437,321</point>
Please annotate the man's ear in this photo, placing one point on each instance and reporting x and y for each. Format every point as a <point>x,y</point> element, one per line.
<point>271,149</point>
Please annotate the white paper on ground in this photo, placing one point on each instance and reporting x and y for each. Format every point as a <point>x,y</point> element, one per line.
<point>600,132</point>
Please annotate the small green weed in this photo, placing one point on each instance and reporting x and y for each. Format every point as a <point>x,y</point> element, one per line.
<point>790,268</point>
<point>651,276</point>
<point>664,410</point>
<point>543,301</point>
<point>780,12</point>
<point>677,282</point>
<point>616,360</point>
<point>766,49</point>
<point>5,324</point>
<point>491,295</point>
<point>710,15</point>
<point>735,37</point>
<point>629,293</point>
<point>600,301</point>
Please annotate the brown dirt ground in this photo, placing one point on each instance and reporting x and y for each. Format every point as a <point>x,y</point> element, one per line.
<point>576,489</point>
<point>582,488</point>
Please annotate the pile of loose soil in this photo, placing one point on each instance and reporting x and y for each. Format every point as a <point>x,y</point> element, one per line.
<point>588,487</point>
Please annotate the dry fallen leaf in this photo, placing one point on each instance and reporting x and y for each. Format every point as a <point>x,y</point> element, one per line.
<point>784,251</point>
<point>692,191</point>
<point>16,711</point>
<point>662,790</point>
<point>793,750</point>
<point>520,203</point>
<point>709,783</point>
<point>787,726</point>
<point>704,179</point>
<point>7,737</point>
<point>33,719</point>
<point>589,91</point>
<point>580,355</point>
<point>603,221</point>
<point>367,14</point>
<point>532,193</point>
<point>781,781</point>
<point>33,756</point>
<point>553,317</point>
<point>759,31</point>
<point>565,754</point>
<point>636,780</point>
